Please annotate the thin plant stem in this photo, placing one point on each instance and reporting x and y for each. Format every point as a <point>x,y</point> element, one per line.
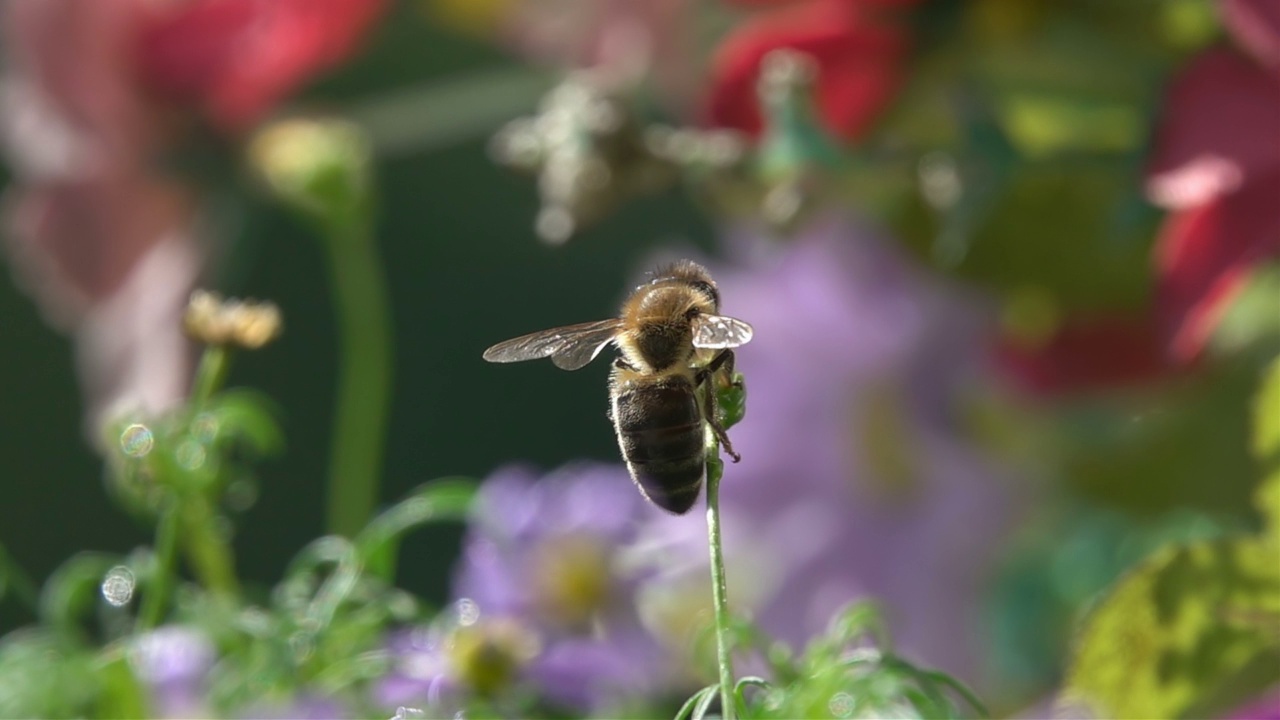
<point>364,376</point>
<point>719,593</point>
<point>211,374</point>
<point>206,545</point>
<point>157,597</point>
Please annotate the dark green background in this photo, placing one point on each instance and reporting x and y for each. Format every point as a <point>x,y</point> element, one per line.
<point>464,270</point>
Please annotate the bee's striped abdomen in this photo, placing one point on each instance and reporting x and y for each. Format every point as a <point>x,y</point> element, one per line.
<point>660,434</point>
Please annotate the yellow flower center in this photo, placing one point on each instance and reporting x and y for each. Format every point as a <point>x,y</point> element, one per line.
<point>572,579</point>
<point>486,656</point>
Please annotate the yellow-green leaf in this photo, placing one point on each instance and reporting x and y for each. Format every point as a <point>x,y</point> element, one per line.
<point>1266,445</point>
<point>1187,632</point>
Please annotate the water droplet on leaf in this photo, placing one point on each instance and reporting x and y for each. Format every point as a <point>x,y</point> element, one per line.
<point>468,611</point>
<point>117,585</point>
<point>191,455</point>
<point>841,705</point>
<point>137,440</point>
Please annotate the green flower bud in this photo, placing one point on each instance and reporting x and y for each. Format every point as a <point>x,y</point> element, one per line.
<point>320,167</point>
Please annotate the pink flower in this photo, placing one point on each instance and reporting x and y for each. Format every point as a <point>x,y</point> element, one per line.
<point>95,94</point>
<point>1216,166</point>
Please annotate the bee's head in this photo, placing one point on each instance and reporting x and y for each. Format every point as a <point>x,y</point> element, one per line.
<point>691,274</point>
<point>658,324</point>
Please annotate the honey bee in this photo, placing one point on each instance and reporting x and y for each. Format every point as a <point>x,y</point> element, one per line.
<point>672,341</point>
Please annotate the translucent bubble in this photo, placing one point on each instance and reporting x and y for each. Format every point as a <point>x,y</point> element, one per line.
<point>205,427</point>
<point>137,440</point>
<point>939,178</point>
<point>554,225</point>
<point>841,705</point>
<point>407,712</point>
<point>241,495</point>
<point>303,645</point>
<point>117,585</point>
<point>468,611</point>
<point>191,455</point>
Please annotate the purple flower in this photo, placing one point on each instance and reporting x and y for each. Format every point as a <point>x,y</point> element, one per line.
<point>856,479</point>
<point>171,662</point>
<point>544,561</point>
<point>301,707</point>
<point>1264,707</point>
<point>461,654</point>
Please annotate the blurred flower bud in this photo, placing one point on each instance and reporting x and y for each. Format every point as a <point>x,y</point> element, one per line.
<point>243,323</point>
<point>589,152</point>
<point>320,167</point>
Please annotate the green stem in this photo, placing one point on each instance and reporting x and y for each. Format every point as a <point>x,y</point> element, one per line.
<point>719,593</point>
<point>212,373</point>
<point>167,535</point>
<point>207,546</point>
<point>364,328</point>
<point>193,515</point>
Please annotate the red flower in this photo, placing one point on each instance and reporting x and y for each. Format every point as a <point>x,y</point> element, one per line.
<point>1216,164</point>
<point>1087,354</point>
<point>859,52</point>
<point>235,59</point>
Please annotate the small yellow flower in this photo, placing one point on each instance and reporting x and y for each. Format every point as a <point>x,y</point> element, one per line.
<point>243,323</point>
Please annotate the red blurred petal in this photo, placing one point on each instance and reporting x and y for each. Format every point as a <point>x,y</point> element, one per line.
<point>1088,354</point>
<point>865,3</point>
<point>1203,256</point>
<point>182,49</point>
<point>1255,25</point>
<point>1222,126</point>
<point>238,58</point>
<point>859,59</point>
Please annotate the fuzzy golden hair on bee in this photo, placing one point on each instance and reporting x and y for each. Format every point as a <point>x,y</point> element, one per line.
<point>672,343</point>
<point>691,274</point>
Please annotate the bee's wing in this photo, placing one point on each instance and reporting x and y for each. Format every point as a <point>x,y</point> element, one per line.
<point>569,347</point>
<point>718,331</point>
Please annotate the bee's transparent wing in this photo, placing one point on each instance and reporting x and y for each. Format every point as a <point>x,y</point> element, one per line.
<point>569,347</point>
<point>715,332</point>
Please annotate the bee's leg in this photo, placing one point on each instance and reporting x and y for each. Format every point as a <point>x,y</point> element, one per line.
<point>723,360</point>
<point>623,364</point>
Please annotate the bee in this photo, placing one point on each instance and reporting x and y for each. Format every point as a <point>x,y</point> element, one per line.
<point>672,341</point>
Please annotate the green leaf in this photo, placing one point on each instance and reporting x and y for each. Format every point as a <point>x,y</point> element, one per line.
<point>1266,416</point>
<point>1250,319</point>
<point>1179,629</point>
<point>731,400</point>
<point>1266,446</point>
<point>71,589</point>
<point>739,692</point>
<point>241,415</point>
<point>443,499</point>
<point>698,699</point>
<point>42,677</point>
<point>122,695</point>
